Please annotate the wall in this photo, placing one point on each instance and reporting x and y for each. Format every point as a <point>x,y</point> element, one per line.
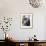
<point>13,8</point>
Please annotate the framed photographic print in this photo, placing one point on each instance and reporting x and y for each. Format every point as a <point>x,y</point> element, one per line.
<point>26,20</point>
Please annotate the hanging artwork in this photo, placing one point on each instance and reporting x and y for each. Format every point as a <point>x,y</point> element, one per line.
<point>26,20</point>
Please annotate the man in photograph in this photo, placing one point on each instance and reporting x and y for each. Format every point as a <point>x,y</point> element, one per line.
<point>26,21</point>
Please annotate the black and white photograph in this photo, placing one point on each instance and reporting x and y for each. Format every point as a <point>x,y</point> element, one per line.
<point>26,20</point>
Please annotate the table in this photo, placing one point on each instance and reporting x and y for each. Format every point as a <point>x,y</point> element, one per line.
<point>27,42</point>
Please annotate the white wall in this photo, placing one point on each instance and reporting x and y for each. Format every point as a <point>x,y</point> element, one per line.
<point>13,8</point>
